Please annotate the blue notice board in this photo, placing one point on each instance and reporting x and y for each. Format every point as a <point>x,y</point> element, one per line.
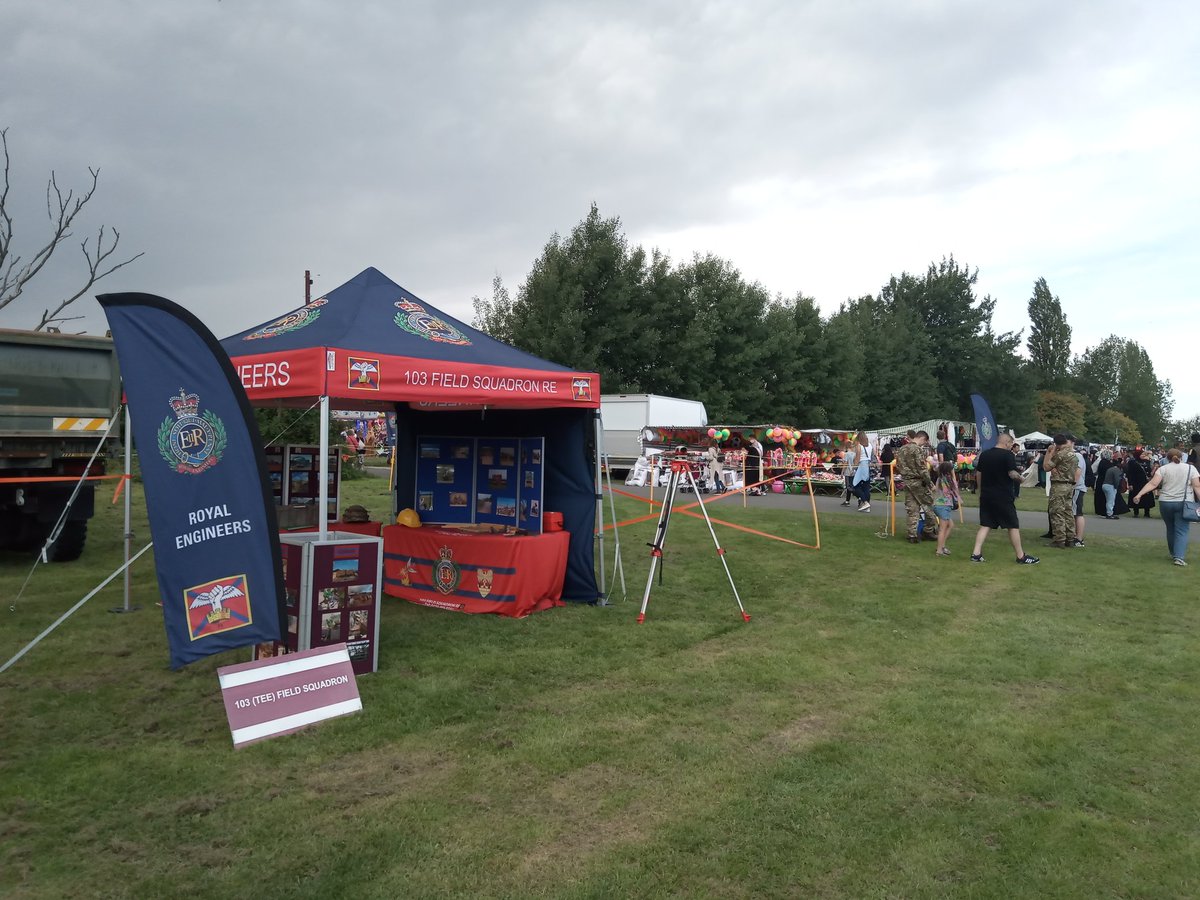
<point>445,480</point>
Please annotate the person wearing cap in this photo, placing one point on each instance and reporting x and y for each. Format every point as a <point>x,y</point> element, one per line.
<point>1061,464</point>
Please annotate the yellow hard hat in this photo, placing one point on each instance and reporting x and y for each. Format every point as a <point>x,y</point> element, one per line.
<point>408,517</point>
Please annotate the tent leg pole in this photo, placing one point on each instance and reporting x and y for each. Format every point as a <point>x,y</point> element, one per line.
<point>323,490</point>
<point>602,600</point>
<point>618,566</point>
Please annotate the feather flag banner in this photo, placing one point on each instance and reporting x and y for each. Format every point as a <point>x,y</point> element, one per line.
<point>212,518</point>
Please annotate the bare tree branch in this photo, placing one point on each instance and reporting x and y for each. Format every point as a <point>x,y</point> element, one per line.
<point>94,274</point>
<point>61,211</point>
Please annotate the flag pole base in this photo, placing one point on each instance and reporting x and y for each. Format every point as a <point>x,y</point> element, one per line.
<point>122,609</point>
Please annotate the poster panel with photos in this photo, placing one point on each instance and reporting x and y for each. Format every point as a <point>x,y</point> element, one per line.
<point>445,480</point>
<point>302,478</point>
<point>332,596</point>
<point>529,499</point>
<point>344,599</point>
<point>497,481</point>
<point>274,457</point>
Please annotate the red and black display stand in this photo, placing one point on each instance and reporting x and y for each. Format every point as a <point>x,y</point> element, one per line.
<point>333,588</point>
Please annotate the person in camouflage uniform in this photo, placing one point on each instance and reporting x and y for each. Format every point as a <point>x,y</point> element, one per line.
<point>912,462</point>
<point>1061,464</point>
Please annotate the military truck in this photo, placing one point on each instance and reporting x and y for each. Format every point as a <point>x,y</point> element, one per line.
<point>57,394</point>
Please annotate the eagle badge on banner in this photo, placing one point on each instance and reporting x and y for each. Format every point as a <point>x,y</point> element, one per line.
<point>483,580</point>
<point>216,606</point>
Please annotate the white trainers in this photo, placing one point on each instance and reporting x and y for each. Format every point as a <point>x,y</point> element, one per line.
<point>1180,562</point>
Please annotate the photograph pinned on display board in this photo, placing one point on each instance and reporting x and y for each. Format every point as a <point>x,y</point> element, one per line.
<point>283,567</point>
<point>276,480</point>
<point>360,620</point>
<point>293,624</point>
<point>274,464</point>
<point>461,451</point>
<point>331,627</point>
<point>508,456</point>
<point>529,478</point>
<point>524,514</point>
<point>331,509</point>
<point>458,499</point>
<point>537,456</point>
<point>535,509</point>
<point>332,598</point>
<point>358,650</point>
<point>483,504</point>
<point>424,501</point>
<point>430,451</point>
<point>300,461</point>
<point>445,474</point>
<point>300,482</point>
<point>291,596</point>
<point>362,595</point>
<point>487,456</point>
<point>269,649</point>
<point>497,478</point>
<point>345,563</point>
<point>506,507</point>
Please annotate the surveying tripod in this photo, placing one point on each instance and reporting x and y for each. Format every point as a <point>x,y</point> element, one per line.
<point>681,471</point>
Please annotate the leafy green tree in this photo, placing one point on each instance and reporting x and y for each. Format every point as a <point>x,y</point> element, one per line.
<point>1049,339</point>
<point>1118,374</point>
<point>1107,426</point>
<point>1055,411</point>
<point>1181,431</point>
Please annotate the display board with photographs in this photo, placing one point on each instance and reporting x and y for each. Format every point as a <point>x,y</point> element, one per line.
<point>301,480</point>
<point>496,481</point>
<point>274,456</point>
<point>332,589</point>
<point>292,561</point>
<point>445,479</point>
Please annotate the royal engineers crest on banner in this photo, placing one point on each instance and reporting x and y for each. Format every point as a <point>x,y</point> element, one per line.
<point>305,315</point>
<point>216,606</point>
<point>191,442</point>
<point>483,580</point>
<point>446,573</point>
<point>986,429</point>
<point>415,319</point>
<point>581,389</point>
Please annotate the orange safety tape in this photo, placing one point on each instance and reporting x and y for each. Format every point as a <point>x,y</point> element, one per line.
<point>63,478</point>
<point>120,486</point>
<point>774,537</point>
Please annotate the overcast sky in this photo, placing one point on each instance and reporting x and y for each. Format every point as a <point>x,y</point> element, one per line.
<point>820,147</point>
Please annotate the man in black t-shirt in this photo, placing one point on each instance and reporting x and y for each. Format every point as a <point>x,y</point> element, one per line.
<point>998,471</point>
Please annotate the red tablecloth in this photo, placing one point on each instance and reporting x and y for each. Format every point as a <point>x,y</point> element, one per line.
<point>477,573</point>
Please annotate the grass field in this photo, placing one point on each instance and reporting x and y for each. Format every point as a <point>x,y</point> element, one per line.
<point>887,725</point>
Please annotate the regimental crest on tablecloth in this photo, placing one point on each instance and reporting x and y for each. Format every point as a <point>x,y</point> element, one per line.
<point>446,572</point>
<point>191,442</point>
<point>483,580</point>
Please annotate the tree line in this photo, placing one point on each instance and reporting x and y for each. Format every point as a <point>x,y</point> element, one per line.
<point>914,351</point>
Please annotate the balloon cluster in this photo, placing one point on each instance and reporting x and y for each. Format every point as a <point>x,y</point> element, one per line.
<point>719,434</point>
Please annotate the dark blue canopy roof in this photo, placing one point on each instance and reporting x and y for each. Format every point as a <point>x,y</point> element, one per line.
<point>371,314</point>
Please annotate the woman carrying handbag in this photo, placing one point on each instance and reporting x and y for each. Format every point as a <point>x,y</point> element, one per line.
<point>1178,486</point>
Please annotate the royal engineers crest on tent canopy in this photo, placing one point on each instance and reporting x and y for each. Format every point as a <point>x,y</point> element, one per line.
<point>446,573</point>
<point>305,315</point>
<point>415,319</point>
<point>191,443</point>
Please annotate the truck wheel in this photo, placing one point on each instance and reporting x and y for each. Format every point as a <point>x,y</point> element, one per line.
<point>69,545</point>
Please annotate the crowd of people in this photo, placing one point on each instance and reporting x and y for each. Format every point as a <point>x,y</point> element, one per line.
<point>1148,477</point>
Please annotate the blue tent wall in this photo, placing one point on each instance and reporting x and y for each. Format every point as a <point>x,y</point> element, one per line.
<point>569,481</point>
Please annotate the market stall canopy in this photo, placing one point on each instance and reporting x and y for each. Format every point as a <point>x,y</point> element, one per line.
<point>1036,437</point>
<point>961,433</point>
<point>370,344</point>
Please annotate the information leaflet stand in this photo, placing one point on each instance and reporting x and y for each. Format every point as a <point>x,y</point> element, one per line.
<point>333,588</point>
